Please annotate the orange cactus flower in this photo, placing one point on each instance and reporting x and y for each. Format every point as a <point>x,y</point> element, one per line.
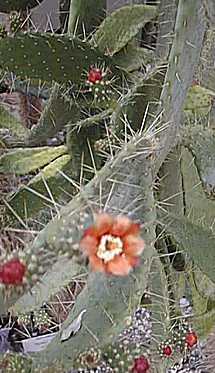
<point>113,244</point>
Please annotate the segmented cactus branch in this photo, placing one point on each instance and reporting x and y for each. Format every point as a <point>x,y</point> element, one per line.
<point>183,59</point>
<point>107,299</point>
<point>63,237</point>
<point>62,273</point>
<point>166,22</point>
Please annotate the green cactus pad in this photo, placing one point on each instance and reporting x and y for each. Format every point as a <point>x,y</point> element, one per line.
<point>204,285</point>
<point>7,6</point>
<point>198,242</point>
<point>30,199</point>
<point>56,114</point>
<point>132,57</point>
<point>23,161</point>
<point>201,142</point>
<point>199,208</point>
<point>121,26</point>
<point>63,272</point>
<point>14,126</point>
<point>48,57</point>
<point>198,100</point>
<point>205,323</point>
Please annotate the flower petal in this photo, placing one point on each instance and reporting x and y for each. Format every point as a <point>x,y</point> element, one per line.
<point>89,245</point>
<point>120,226</point>
<point>132,245</point>
<point>119,266</point>
<point>134,229</point>
<point>97,264</point>
<point>103,224</point>
<point>133,260</point>
<point>91,231</point>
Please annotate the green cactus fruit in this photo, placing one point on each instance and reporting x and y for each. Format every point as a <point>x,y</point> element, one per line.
<point>7,6</point>
<point>49,57</point>
<point>80,144</point>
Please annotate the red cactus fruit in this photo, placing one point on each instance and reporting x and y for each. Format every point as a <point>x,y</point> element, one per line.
<point>94,75</point>
<point>191,339</point>
<point>12,272</point>
<point>167,351</point>
<point>141,365</point>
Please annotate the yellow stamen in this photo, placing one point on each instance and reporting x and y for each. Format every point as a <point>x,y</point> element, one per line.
<point>109,247</point>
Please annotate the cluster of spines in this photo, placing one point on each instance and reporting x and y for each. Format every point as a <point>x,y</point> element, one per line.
<point>89,359</point>
<point>19,270</point>
<point>13,363</point>
<point>3,31</point>
<point>15,24</point>
<point>181,339</point>
<point>124,358</point>
<point>98,84</point>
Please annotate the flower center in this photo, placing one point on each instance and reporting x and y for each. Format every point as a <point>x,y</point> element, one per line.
<point>109,247</point>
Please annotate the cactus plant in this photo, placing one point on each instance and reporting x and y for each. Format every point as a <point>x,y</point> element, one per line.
<point>42,62</point>
<point>135,174</point>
